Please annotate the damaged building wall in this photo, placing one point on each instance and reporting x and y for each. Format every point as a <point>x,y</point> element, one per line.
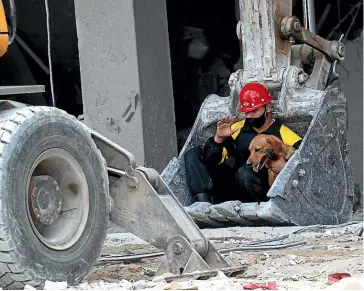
<point>351,81</point>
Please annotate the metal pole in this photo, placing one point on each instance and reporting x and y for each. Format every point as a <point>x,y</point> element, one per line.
<point>311,15</point>
<point>305,17</point>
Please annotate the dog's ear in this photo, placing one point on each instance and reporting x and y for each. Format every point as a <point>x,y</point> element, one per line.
<point>271,140</point>
<point>276,144</point>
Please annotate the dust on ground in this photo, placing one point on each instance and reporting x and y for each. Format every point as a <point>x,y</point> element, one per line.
<point>327,251</point>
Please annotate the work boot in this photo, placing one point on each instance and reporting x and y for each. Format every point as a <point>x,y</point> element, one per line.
<point>203,197</point>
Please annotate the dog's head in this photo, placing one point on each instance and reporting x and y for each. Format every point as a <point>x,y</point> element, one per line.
<point>258,146</point>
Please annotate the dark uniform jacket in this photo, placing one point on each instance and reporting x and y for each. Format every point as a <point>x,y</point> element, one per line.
<point>237,145</point>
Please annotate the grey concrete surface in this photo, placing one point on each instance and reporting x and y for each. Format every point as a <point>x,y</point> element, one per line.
<point>126,76</point>
<point>155,77</point>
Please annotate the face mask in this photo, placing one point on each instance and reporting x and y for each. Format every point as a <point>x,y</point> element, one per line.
<point>257,122</point>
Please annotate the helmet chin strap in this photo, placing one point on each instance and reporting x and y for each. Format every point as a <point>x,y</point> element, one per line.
<point>268,110</point>
<point>265,112</point>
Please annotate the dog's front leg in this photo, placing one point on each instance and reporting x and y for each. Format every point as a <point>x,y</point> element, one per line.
<point>271,177</point>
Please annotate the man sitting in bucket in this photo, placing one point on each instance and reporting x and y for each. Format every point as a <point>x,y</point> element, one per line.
<point>219,172</point>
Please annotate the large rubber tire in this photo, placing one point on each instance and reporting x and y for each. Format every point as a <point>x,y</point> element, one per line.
<point>25,133</point>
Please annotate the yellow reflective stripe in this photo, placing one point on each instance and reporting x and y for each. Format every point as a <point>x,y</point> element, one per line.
<point>224,155</point>
<point>239,125</point>
<point>288,136</point>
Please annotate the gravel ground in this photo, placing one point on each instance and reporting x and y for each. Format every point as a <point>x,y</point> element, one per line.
<point>326,251</point>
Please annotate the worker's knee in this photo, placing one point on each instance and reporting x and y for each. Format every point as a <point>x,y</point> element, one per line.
<point>254,185</point>
<point>192,155</point>
<point>243,175</point>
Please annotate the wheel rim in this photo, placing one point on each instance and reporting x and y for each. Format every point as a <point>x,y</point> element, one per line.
<point>58,199</point>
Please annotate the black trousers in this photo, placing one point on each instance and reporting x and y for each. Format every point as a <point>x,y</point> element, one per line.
<point>224,183</point>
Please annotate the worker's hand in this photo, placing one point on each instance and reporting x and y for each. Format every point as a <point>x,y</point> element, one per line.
<point>277,165</point>
<point>224,129</point>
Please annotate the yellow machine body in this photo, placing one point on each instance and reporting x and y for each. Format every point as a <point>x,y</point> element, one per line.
<point>4,32</point>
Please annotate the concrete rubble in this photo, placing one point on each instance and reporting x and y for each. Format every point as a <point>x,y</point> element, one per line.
<point>220,282</point>
<point>328,250</point>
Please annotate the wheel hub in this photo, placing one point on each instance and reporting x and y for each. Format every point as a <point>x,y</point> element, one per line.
<point>58,199</point>
<point>46,198</point>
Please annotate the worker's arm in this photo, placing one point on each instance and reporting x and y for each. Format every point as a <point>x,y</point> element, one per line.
<point>219,147</point>
<point>215,153</point>
<point>297,144</point>
<point>289,137</point>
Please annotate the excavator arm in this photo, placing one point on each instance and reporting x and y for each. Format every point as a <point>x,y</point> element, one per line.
<point>70,179</point>
<point>144,205</point>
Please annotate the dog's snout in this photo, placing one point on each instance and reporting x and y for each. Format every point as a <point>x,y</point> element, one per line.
<point>248,162</point>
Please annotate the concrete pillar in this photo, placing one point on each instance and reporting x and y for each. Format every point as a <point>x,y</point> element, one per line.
<point>126,76</point>
<point>351,81</point>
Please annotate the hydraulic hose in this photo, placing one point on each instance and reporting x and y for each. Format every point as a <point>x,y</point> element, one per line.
<point>137,257</point>
<point>13,21</point>
<point>303,229</point>
<point>257,245</point>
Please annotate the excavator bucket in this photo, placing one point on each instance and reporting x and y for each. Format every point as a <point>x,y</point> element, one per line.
<point>316,185</point>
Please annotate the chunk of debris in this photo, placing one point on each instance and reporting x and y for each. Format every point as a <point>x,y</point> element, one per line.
<point>140,285</point>
<point>180,286</point>
<point>292,262</point>
<point>336,277</point>
<point>263,286</point>
<point>126,285</point>
<point>49,285</point>
<point>148,272</point>
<point>347,283</point>
<point>159,279</point>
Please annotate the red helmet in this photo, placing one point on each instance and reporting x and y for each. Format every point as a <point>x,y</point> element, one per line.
<point>254,95</point>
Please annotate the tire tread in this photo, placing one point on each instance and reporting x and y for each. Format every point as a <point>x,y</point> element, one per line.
<point>12,275</point>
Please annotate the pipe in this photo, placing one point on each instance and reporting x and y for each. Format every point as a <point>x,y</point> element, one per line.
<point>134,257</point>
<point>311,15</point>
<point>305,17</point>
<point>46,4</point>
<point>258,245</point>
<point>32,54</point>
<point>13,24</point>
<point>323,17</point>
<point>115,172</point>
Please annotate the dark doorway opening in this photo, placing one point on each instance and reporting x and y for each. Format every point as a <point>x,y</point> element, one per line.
<point>205,49</point>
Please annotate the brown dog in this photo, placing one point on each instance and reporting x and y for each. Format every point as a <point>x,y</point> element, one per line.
<point>258,157</point>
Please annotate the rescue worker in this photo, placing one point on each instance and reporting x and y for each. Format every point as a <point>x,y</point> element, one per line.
<point>222,160</point>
